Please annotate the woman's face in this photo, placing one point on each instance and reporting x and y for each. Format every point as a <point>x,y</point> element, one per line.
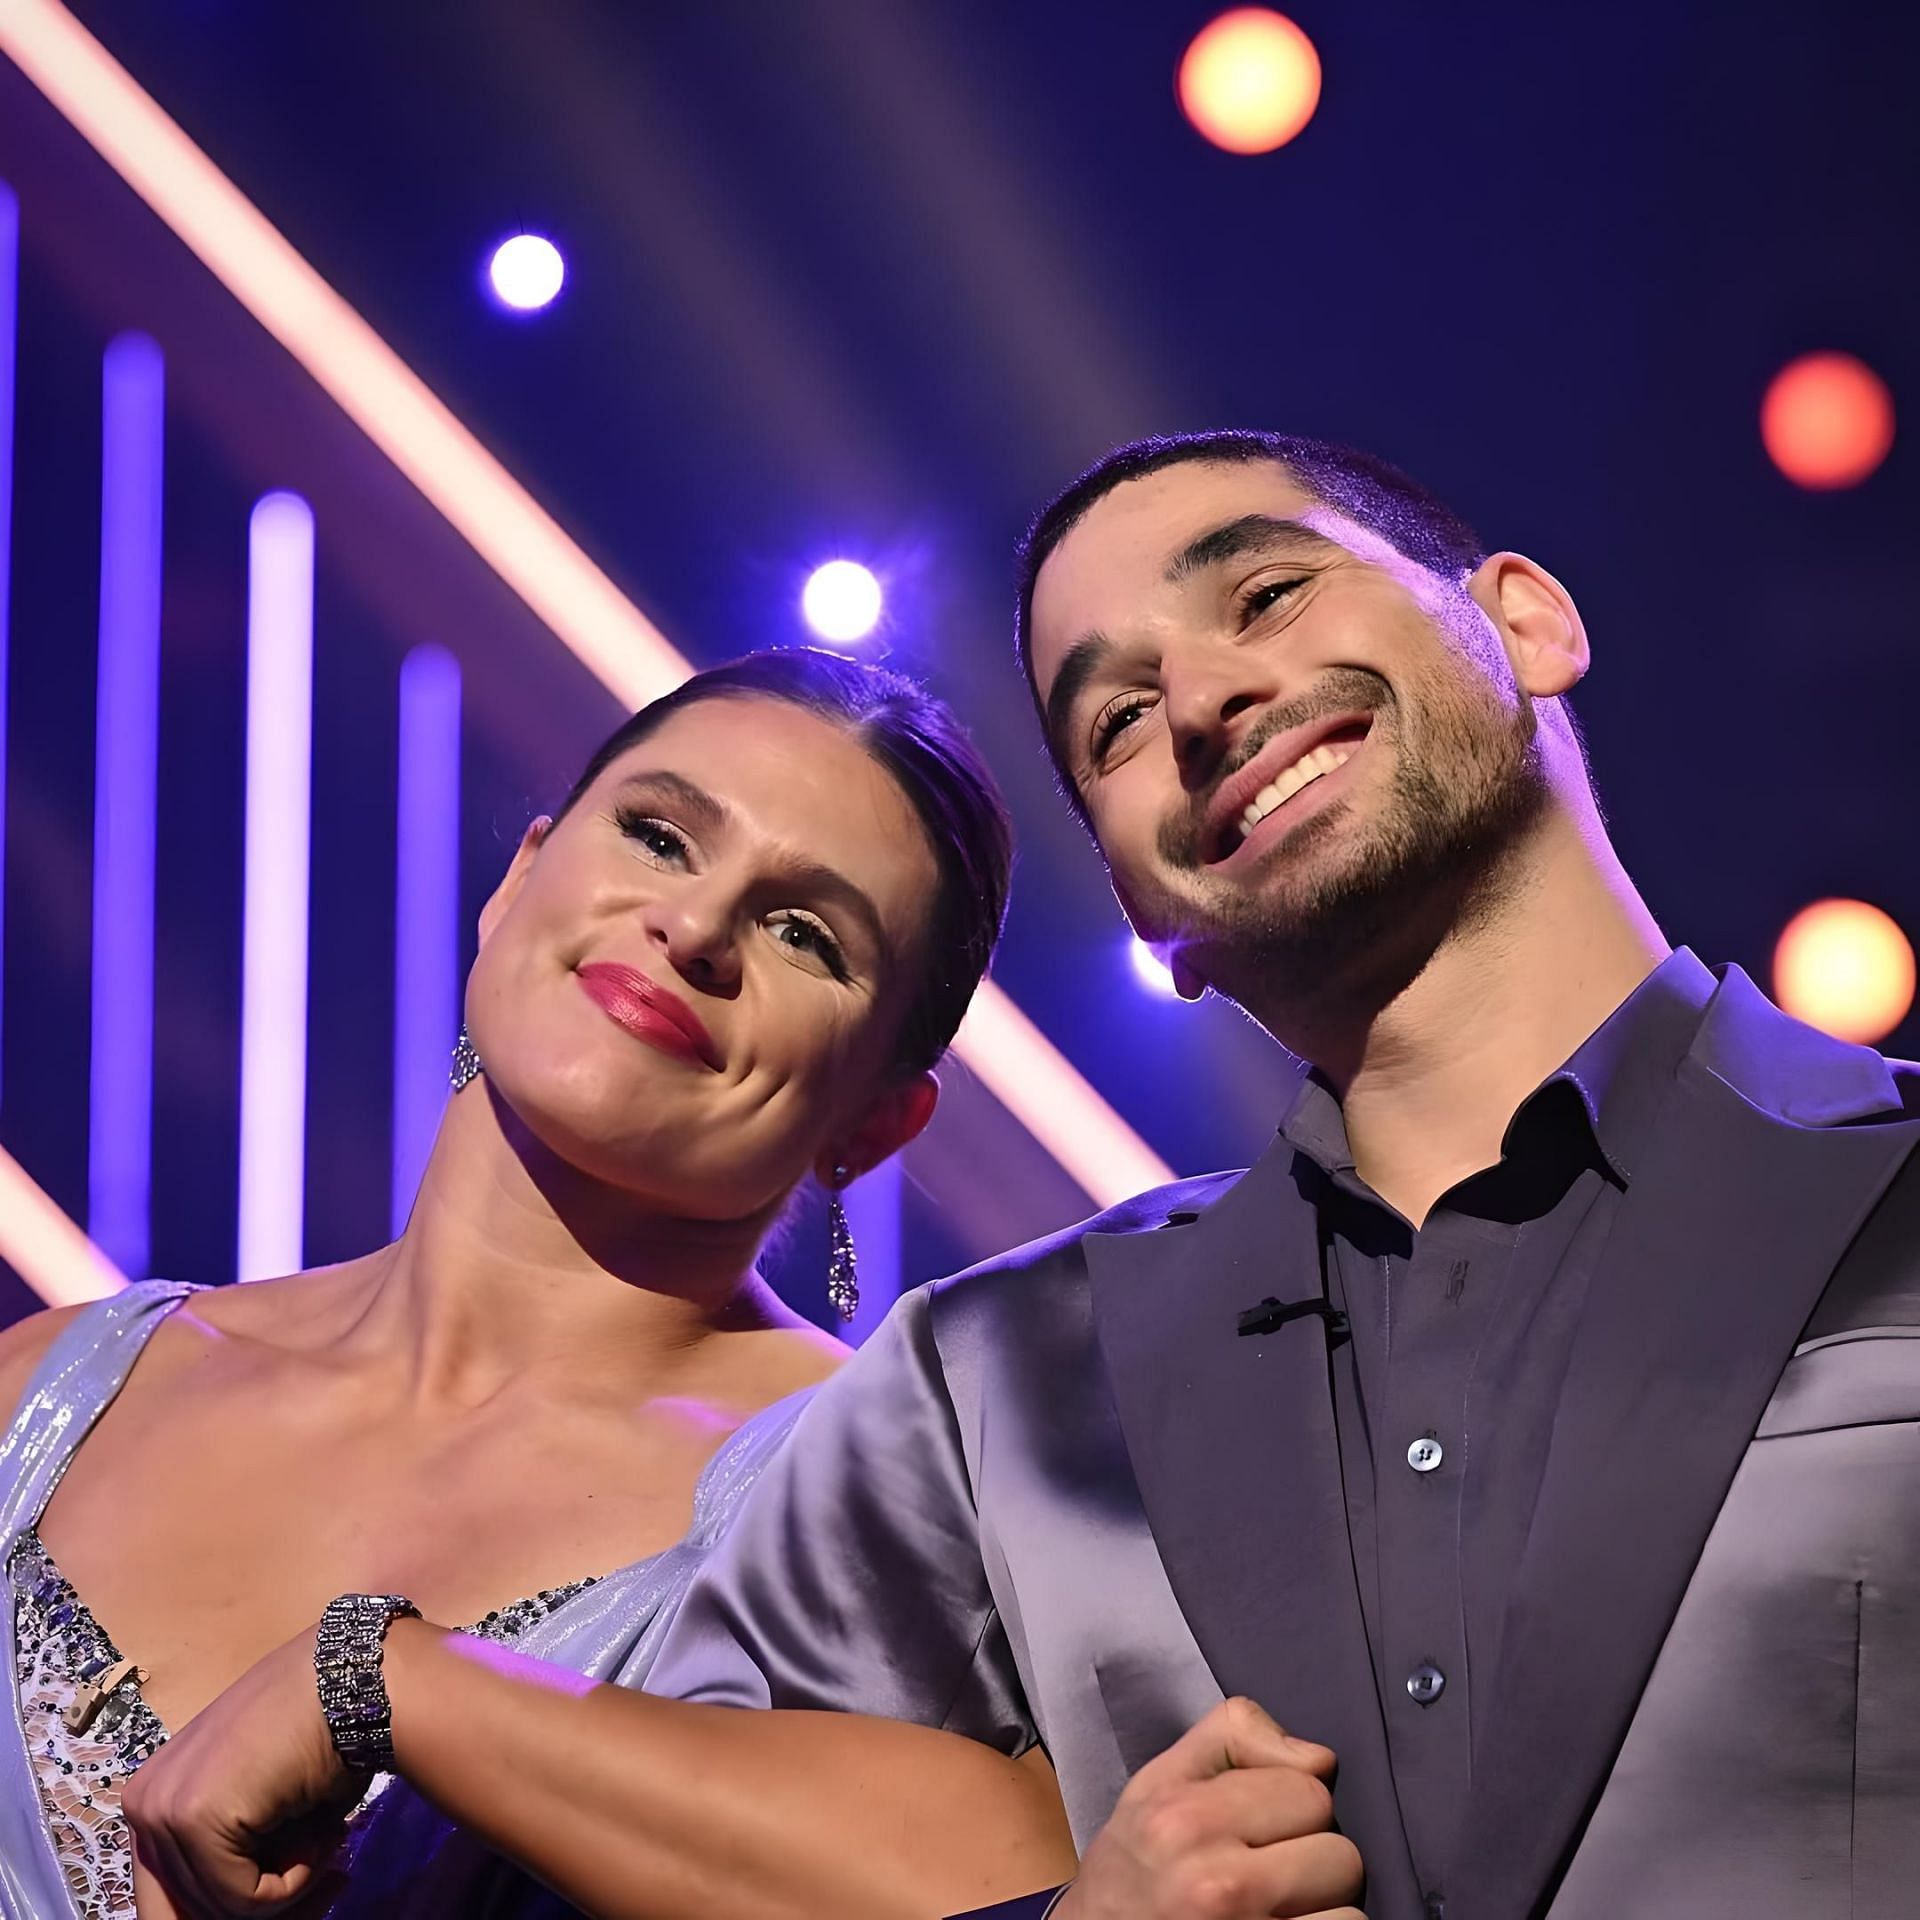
<point>691,986</point>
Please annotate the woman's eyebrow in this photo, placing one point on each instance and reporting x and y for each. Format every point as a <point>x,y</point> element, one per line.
<point>798,870</point>
<point>822,882</point>
<point>690,797</point>
<point>1250,534</point>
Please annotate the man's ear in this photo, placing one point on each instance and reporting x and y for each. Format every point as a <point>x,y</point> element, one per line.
<point>895,1120</point>
<point>515,876</point>
<point>1538,623</point>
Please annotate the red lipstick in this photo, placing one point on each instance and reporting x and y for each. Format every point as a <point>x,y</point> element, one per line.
<point>648,1011</point>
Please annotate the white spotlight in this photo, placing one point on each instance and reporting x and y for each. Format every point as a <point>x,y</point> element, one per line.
<point>526,271</point>
<point>841,601</point>
<point>1152,972</point>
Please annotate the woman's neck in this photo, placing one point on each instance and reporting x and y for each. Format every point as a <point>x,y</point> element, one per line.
<point>516,1271</point>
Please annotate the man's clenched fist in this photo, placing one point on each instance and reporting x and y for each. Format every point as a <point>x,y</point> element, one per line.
<point>1233,1822</point>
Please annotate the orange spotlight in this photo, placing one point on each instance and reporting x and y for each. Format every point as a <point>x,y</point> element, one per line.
<point>1250,81</point>
<point>1846,968</point>
<point>1827,420</point>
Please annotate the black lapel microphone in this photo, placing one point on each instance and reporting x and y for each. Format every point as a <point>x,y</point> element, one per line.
<point>1271,1315</point>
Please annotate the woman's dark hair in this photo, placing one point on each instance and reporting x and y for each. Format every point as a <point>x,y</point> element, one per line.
<point>916,738</point>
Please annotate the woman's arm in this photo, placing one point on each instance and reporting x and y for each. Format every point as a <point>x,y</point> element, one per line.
<point>632,1807</point>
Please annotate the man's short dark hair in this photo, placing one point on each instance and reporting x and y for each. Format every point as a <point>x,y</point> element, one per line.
<point>1367,490</point>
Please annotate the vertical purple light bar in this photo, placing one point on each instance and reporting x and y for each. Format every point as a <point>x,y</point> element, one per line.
<point>426,912</point>
<point>873,1215</point>
<point>273,1002</point>
<point>9,327</point>
<point>125,787</point>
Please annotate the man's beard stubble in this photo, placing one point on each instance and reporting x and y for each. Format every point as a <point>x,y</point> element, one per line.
<point>1435,859</point>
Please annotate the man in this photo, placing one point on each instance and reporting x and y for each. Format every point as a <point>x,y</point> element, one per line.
<point>1506,1427</point>
<point>1536,1425</point>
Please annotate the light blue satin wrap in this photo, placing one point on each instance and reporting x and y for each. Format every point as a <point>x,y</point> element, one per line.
<point>407,1859</point>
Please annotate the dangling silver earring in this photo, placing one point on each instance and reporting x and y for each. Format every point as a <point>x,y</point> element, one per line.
<point>466,1063</point>
<point>843,1266</point>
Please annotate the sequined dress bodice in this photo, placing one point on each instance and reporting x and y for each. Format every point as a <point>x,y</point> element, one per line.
<point>59,1650</point>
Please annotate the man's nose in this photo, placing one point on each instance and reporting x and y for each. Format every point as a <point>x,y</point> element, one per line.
<point>1210,695</point>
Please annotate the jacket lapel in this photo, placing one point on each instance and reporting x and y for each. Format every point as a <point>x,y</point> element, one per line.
<point>1726,1239</point>
<point>1233,1444</point>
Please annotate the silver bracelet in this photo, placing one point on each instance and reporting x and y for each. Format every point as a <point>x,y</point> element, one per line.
<point>347,1665</point>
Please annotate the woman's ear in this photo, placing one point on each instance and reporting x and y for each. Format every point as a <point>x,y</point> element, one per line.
<point>895,1120</point>
<point>515,876</point>
<point>1537,621</point>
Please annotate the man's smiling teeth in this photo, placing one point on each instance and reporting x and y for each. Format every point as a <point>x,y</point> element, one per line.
<point>1303,773</point>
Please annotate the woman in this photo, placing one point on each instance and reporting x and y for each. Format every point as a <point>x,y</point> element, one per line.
<point>730,960</point>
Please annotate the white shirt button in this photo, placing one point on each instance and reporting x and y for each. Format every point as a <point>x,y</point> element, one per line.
<point>1425,1454</point>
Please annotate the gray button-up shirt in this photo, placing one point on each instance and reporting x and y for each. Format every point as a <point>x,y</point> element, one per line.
<point>1459,1333</point>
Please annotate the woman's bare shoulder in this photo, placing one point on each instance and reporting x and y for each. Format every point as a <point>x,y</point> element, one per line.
<point>284,1311</point>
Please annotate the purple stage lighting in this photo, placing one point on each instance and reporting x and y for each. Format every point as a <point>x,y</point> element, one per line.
<point>126,781</point>
<point>426,952</point>
<point>9,302</point>
<point>273,991</point>
<point>842,601</point>
<point>527,272</point>
<point>1149,969</point>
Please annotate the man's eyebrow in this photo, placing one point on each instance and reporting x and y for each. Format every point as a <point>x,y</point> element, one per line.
<point>1084,659</point>
<point>1250,534</point>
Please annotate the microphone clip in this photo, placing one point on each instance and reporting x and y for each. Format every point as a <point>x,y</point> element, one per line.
<point>1271,1315</point>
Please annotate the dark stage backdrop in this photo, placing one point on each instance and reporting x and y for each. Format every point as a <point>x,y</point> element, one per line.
<point>874,279</point>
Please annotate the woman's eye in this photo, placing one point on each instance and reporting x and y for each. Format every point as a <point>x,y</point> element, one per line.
<point>1269,594</point>
<point>1114,721</point>
<point>664,843</point>
<point>802,934</point>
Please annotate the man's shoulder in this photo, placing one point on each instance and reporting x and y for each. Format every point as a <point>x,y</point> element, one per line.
<point>1059,1256</point>
<point>1906,1080</point>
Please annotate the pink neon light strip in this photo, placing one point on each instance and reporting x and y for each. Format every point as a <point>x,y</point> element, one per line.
<point>44,1247</point>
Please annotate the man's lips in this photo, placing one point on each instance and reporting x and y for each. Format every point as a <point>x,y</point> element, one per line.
<point>648,1011</point>
<point>1237,792</point>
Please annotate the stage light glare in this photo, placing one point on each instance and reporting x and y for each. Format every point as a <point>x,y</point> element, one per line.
<point>1845,967</point>
<point>1149,969</point>
<point>527,271</point>
<point>1250,81</point>
<point>841,601</point>
<point>1827,421</point>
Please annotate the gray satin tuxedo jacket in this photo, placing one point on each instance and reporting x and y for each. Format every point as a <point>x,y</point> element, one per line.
<point>1058,1499</point>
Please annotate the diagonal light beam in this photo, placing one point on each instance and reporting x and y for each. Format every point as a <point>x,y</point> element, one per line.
<point>45,1248</point>
<point>502,522</point>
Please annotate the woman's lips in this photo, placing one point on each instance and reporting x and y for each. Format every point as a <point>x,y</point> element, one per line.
<point>648,1011</point>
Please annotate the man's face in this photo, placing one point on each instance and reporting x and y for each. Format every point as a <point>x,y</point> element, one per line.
<point>1291,741</point>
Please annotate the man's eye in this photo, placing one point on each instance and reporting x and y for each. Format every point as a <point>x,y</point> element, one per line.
<point>1269,593</point>
<point>1114,721</point>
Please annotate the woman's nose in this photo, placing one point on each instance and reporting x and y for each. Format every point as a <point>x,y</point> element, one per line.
<point>696,929</point>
